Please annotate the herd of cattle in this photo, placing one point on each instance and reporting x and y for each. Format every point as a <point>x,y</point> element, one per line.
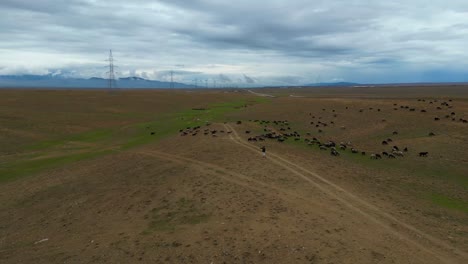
<point>280,130</point>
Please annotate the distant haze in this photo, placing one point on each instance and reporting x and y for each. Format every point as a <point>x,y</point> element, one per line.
<point>242,42</point>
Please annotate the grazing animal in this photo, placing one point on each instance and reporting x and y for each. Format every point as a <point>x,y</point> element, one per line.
<point>322,147</point>
<point>431,134</point>
<point>247,132</point>
<point>391,156</point>
<point>353,150</point>
<point>152,133</point>
<point>363,153</point>
<point>384,142</point>
<point>384,153</point>
<point>398,153</point>
<point>395,133</point>
<point>239,122</point>
<point>406,149</point>
<point>334,153</point>
<point>423,111</point>
<point>436,118</point>
<point>423,154</point>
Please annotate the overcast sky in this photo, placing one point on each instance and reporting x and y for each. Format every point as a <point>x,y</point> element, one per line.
<point>279,42</point>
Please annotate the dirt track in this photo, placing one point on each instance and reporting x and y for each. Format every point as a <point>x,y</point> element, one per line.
<point>396,227</point>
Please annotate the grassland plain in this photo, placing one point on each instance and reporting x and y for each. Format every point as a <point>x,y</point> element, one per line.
<point>101,141</point>
<point>82,178</point>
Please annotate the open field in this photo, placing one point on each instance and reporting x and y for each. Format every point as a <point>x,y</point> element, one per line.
<point>98,177</point>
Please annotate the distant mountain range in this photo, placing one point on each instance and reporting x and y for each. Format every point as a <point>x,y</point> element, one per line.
<point>54,81</point>
<point>61,81</point>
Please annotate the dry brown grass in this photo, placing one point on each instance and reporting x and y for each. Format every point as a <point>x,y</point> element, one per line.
<point>109,194</point>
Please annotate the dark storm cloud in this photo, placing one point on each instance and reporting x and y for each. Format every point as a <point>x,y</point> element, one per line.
<point>283,27</point>
<point>248,79</point>
<point>224,78</point>
<point>276,41</point>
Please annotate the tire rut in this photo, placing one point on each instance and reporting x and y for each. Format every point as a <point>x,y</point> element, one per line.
<point>236,178</point>
<point>369,211</point>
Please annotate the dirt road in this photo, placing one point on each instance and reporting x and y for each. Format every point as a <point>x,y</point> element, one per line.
<point>414,237</point>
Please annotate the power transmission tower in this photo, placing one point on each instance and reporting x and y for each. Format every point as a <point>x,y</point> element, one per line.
<point>111,80</point>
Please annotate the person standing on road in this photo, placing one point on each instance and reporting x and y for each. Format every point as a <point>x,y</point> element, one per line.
<point>263,151</point>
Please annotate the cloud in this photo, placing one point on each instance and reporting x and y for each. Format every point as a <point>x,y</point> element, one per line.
<point>277,41</point>
<point>248,79</point>
<point>224,78</point>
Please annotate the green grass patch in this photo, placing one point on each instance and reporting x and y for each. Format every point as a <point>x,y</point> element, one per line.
<point>448,202</point>
<point>92,136</point>
<point>169,124</point>
<point>18,169</point>
<point>86,137</point>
